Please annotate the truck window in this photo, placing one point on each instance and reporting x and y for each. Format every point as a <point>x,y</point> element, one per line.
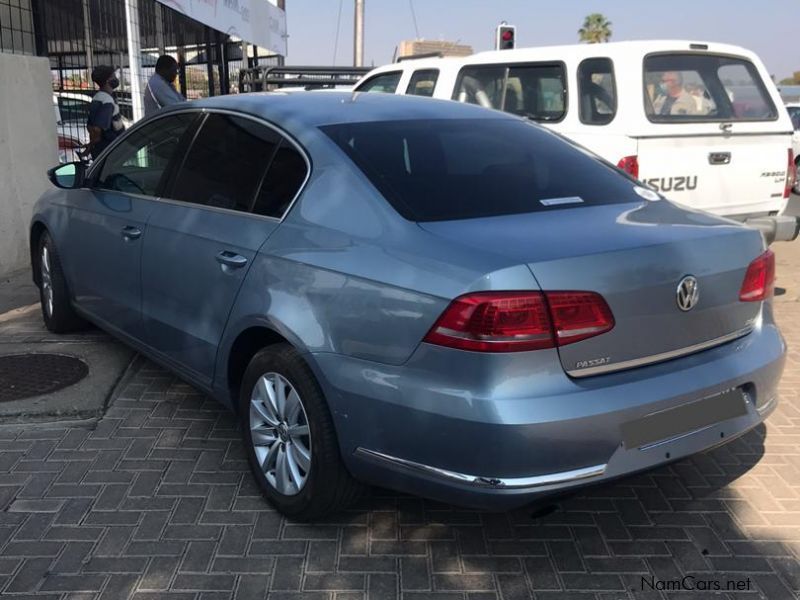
<point>598,91</point>
<point>704,87</point>
<point>423,82</point>
<point>384,82</point>
<point>535,91</point>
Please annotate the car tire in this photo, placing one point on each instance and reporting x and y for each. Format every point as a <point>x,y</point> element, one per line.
<point>301,474</point>
<point>57,311</point>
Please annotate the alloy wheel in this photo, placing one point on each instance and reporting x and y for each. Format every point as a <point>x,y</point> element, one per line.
<point>47,281</point>
<point>280,434</point>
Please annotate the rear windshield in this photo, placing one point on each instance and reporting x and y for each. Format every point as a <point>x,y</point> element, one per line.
<point>704,87</point>
<point>434,170</point>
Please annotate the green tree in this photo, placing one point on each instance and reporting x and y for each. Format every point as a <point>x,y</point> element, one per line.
<point>596,29</point>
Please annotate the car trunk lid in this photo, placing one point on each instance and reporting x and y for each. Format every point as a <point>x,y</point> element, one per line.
<point>635,256</point>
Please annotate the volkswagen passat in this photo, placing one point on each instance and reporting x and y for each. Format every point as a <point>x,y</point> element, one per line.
<point>417,294</point>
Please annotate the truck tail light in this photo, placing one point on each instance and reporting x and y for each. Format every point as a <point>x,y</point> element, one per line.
<point>629,164</point>
<point>519,321</point>
<point>791,175</point>
<point>759,280</point>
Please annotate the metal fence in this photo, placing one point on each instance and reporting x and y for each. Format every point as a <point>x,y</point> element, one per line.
<point>77,35</point>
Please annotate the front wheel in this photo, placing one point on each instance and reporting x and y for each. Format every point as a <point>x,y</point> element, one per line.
<point>289,436</point>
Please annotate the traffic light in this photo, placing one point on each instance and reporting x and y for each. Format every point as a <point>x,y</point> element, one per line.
<point>506,35</point>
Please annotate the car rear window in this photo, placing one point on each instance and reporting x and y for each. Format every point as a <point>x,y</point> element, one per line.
<point>434,170</point>
<point>704,87</point>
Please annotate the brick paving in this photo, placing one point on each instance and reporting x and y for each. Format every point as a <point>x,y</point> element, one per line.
<point>155,501</point>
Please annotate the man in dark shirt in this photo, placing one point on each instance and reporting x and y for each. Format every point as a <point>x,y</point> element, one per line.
<point>105,121</point>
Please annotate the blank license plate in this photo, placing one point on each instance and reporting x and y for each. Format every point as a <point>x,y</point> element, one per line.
<point>682,419</point>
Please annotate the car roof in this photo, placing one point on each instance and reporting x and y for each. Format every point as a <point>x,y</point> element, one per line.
<point>611,50</point>
<point>314,109</point>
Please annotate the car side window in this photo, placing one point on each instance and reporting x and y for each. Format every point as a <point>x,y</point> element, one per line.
<point>282,182</point>
<point>537,91</point>
<point>598,91</point>
<point>137,163</point>
<point>423,82</point>
<point>225,165</point>
<point>385,82</point>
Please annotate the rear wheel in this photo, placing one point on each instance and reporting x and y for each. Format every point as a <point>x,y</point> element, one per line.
<point>57,311</point>
<point>289,437</point>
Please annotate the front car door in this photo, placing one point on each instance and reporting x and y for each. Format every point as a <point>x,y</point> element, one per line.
<point>203,236</point>
<point>107,223</point>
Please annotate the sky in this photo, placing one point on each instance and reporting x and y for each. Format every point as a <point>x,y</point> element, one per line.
<point>768,27</point>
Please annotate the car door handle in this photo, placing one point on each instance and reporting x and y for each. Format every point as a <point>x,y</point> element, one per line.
<point>130,233</point>
<point>230,259</point>
<point>719,158</point>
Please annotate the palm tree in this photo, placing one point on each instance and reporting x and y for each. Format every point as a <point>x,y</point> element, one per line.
<point>596,29</point>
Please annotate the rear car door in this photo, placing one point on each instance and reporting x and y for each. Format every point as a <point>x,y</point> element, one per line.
<point>204,234</point>
<point>716,140</point>
<point>107,226</point>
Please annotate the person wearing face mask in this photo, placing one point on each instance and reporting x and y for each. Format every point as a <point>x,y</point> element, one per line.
<point>105,121</point>
<point>673,99</point>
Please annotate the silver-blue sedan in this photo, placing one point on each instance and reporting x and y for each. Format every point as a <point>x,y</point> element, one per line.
<point>417,294</point>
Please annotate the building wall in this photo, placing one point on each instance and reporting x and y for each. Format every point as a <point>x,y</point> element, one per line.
<point>28,147</point>
<point>414,47</point>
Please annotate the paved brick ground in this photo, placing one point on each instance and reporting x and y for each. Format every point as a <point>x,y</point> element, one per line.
<point>155,501</point>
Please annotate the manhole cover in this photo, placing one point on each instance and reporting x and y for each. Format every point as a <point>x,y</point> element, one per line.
<point>27,375</point>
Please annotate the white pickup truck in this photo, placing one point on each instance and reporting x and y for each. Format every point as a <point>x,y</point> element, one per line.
<point>702,123</point>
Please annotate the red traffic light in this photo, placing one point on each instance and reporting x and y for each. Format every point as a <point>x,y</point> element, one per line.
<point>505,35</point>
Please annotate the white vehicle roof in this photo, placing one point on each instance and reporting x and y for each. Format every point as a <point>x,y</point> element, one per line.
<point>571,51</point>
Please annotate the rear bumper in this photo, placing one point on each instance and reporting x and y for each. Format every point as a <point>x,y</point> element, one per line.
<point>443,427</point>
<point>780,228</point>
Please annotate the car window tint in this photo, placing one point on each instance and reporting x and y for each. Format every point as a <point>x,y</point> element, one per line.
<point>226,163</point>
<point>704,87</point>
<point>423,82</point>
<point>443,169</point>
<point>535,91</point>
<point>136,164</point>
<point>598,91</point>
<point>286,174</point>
<point>73,109</point>
<point>385,82</point>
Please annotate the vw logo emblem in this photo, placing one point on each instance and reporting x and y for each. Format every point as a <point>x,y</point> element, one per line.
<point>688,293</point>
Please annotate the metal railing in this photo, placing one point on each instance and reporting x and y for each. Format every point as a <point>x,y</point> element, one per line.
<point>266,78</point>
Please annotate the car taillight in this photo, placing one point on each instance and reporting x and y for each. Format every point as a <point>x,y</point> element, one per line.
<point>518,321</point>
<point>791,175</point>
<point>630,164</point>
<point>578,315</point>
<point>759,280</point>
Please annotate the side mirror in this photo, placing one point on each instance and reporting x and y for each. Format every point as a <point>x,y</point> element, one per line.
<point>69,176</point>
